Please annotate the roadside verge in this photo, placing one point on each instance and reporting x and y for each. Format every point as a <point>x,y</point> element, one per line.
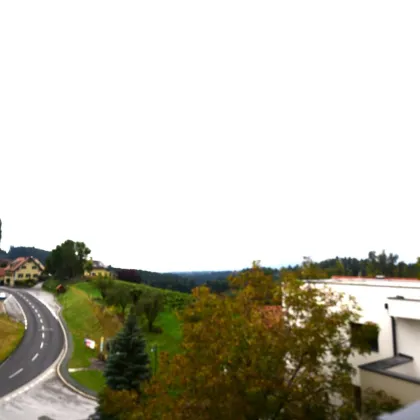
<point>62,366</point>
<point>12,309</point>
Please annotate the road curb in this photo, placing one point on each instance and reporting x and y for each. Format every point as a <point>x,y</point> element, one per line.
<point>62,370</point>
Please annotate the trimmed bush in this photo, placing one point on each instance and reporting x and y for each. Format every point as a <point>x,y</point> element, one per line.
<point>50,285</point>
<point>376,402</point>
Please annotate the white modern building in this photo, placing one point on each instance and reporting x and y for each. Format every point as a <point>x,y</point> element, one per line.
<point>394,305</point>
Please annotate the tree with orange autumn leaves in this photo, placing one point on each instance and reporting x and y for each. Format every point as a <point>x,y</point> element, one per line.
<point>270,350</point>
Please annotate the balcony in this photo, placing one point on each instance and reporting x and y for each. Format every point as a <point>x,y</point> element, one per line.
<point>400,307</point>
<point>394,375</point>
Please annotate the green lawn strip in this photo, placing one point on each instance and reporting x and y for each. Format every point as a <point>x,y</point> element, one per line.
<point>79,314</point>
<point>91,379</point>
<point>82,320</point>
<point>11,333</point>
<point>171,337</point>
<point>89,288</point>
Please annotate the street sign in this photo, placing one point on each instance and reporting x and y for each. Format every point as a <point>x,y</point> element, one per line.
<point>90,343</point>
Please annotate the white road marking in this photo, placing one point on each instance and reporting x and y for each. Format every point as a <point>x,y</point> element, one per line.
<point>16,373</point>
<point>43,328</point>
<point>33,358</point>
<point>42,345</point>
<point>36,310</point>
<point>43,335</point>
<point>40,320</point>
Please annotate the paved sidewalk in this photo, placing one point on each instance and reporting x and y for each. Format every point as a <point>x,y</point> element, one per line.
<point>51,399</point>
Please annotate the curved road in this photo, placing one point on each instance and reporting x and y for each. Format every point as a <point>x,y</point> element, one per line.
<point>40,346</point>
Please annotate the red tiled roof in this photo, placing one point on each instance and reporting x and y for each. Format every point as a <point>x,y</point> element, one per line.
<point>15,264</point>
<point>2,271</point>
<point>374,278</point>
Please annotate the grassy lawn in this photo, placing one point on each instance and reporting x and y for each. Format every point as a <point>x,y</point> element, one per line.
<point>92,379</point>
<point>11,333</point>
<point>86,319</point>
<point>89,288</point>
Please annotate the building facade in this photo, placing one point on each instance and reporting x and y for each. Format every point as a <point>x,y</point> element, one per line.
<point>394,305</point>
<point>98,270</point>
<point>21,270</point>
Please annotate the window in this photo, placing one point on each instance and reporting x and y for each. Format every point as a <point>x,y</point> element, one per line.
<point>28,276</point>
<point>35,276</point>
<point>34,267</point>
<point>364,332</point>
<point>23,266</point>
<point>20,276</point>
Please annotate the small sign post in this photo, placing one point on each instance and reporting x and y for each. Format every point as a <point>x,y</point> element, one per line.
<point>90,343</point>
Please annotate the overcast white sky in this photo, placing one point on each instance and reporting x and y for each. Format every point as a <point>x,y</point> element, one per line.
<point>175,135</point>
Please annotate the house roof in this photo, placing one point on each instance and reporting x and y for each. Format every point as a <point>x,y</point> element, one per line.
<point>374,278</point>
<point>15,264</point>
<point>2,272</point>
<point>98,264</point>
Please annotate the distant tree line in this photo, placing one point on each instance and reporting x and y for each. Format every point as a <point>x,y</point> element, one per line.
<point>381,264</point>
<point>161,280</point>
<point>25,251</point>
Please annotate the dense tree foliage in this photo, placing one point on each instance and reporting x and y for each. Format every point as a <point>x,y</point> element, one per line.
<point>25,251</point>
<point>151,305</point>
<point>127,368</point>
<point>376,264</point>
<point>160,280</point>
<point>119,297</point>
<point>67,261</point>
<point>272,350</point>
<point>204,277</point>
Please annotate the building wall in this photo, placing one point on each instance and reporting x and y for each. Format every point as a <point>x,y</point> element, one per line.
<point>100,272</point>
<point>408,340</point>
<point>372,299</point>
<point>405,391</point>
<point>27,271</point>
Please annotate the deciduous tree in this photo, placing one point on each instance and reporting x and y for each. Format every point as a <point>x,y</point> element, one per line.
<point>67,260</point>
<point>151,306</point>
<point>105,285</point>
<point>272,350</point>
<point>120,297</point>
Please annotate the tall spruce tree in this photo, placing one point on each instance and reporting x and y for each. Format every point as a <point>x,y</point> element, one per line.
<point>128,364</point>
<point>127,367</point>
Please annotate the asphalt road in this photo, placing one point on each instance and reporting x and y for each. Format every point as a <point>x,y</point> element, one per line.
<point>39,349</point>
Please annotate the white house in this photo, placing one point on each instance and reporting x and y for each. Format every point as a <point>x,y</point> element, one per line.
<point>394,305</point>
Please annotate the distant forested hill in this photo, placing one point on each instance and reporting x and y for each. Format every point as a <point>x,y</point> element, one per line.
<point>202,277</point>
<point>25,251</point>
<point>3,254</point>
<point>161,280</point>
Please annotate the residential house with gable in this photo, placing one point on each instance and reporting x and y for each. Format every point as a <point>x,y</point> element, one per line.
<point>99,270</point>
<point>21,270</point>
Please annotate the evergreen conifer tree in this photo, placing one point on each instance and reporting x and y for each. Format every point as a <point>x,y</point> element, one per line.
<point>128,363</point>
<point>127,366</point>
